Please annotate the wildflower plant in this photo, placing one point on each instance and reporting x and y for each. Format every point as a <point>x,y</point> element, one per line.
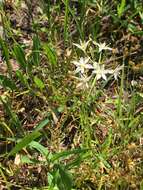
<point>90,70</point>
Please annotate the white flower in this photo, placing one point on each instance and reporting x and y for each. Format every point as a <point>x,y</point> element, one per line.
<point>116,72</point>
<point>102,46</point>
<point>84,82</point>
<point>82,65</point>
<point>82,45</point>
<point>100,71</point>
<point>134,83</point>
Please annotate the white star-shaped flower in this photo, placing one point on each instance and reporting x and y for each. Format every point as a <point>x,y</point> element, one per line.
<point>100,71</point>
<point>81,65</point>
<point>102,46</point>
<point>84,82</point>
<point>83,45</point>
<point>116,72</point>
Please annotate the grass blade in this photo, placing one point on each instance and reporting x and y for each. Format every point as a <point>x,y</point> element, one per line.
<point>121,8</point>
<point>39,83</point>
<point>42,124</point>
<point>20,56</point>
<point>64,180</point>
<point>67,153</point>
<point>36,51</point>
<point>24,142</point>
<point>36,145</point>
<point>66,20</point>
<point>7,82</point>
<point>51,54</point>
<point>5,52</point>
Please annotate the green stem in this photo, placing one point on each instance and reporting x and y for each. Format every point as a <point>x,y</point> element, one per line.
<point>66,20</point>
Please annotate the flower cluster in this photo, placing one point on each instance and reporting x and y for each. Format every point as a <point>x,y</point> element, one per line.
<point>97,68</point>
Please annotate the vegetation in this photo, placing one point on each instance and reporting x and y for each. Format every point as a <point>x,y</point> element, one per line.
<point>71,94</point>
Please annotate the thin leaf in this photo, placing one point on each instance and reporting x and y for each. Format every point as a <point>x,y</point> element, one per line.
<point>121,8</point>
<point>50,53</point>
<point>64,180</point>
<point>22,78</point>
<point>24,142</point>
<point>107,143</point>
<point>36,50</point>
<point>43,150</point>
<point>7,82</point>
<point>42,124</point>
<point>20,56</point>
<point>67,153</point>
<point>26,160</point>
<point>39,83</point>
<point>5,52</point>
<point>12,115</point>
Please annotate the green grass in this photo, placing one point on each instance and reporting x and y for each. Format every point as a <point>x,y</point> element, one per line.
<point>64,126</point>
